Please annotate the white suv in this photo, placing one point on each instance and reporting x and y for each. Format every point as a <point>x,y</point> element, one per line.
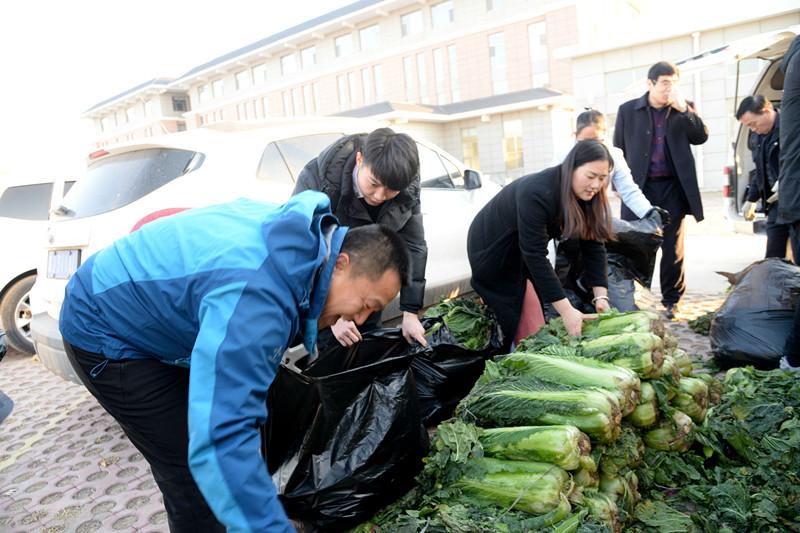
<point>130,185</point>
<point>24,207</point>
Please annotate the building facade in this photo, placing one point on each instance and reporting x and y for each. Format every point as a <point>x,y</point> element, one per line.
<point>495,82</point>
<point>611,70</point>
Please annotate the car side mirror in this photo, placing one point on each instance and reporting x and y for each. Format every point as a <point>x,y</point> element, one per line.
<point>472,179</point>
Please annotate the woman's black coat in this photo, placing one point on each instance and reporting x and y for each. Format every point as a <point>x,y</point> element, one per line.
<point>507,245</point>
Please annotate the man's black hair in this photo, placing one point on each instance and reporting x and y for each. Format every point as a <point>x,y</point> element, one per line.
<point>754,104</point>
<point>392,157</point>
<point>374,249</point>
<point>588,118</point>
<point>662,68</point>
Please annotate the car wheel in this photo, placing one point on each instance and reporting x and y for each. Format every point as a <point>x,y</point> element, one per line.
<point>15,315</point>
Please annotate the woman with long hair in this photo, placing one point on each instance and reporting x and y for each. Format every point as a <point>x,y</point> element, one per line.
<point>507,242</point>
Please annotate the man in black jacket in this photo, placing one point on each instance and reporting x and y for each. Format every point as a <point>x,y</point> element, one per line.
<point>655,132</point>
<point>757,113</point>
<point>375,179</point>
<point>789,206</point>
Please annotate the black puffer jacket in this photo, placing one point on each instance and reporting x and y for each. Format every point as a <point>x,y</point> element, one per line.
<point>332,173</point>
<point>766,156</point>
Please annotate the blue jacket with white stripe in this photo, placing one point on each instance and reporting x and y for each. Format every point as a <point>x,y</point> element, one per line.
<point>222,290</point>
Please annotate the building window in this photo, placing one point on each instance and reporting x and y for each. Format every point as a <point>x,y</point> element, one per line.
<point>366,86</point>
<point>264,106</point>
<point>537,46</point>
<point>241,111</point>
<point>297,101</point>
<point>442,14</point>
<point>455,94</point>
<point>352,85</point>
<point>343,45</point>
<point>308,57</point>
<point>180,126</point>
<point>180,105</point>
<point>218,88</point>
<point>491,5</point>
<point>423,78</point>
<point>438,75</point>
<point>622,80</point>
<point>411,23</point>
<point>315,92</point>
<point>344,101</point>
<point>287,103</point>
<point>308,100</point>
<point>260,74</point>
<point>498,61</point>
<point>203,93</point>
<point>288,64</point>
<point>243,80</point>
<point>512,144</point>
<point>409,76</point>
<point>369,37</point>
<point>377,74</point>
<point>469,148</point>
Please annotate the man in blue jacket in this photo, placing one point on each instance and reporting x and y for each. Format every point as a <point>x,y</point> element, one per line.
<point>178,330</point>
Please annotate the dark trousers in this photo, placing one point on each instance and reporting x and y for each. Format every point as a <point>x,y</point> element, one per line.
<point>792,347</point>
<point>149,400</point>
<point>668,194</point>
<point>778,235</point>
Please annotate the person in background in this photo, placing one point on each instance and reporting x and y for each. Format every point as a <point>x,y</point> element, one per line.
<point>178,330</point>
<point>789,177</point>
<point>374,179</point>
<point>655,133</point>
<point>763,121</point>
<point>507,240</point>
<point>591,124</point>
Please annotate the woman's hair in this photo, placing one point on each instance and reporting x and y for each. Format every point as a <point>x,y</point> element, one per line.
<point>590,220</point>
<point>590,117</point>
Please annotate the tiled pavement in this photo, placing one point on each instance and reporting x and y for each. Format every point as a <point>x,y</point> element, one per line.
<point>66,466</point>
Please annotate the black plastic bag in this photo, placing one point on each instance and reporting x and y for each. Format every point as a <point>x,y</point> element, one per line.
<point>621,291</point>
<point>344,436</point>
<point>752,325</point>
<point>634,249</point>
<point>446,371</point>
<point>631,257</point>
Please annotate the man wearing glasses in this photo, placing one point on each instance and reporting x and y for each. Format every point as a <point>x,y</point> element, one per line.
<point>655,132</point>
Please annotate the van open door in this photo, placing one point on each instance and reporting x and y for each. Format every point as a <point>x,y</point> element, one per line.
<point>764,52</point>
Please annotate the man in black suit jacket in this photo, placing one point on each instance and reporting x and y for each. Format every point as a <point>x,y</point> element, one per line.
<point>655,132</point>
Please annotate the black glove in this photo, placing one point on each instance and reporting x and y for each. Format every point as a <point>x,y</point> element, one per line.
<point>660,215</point>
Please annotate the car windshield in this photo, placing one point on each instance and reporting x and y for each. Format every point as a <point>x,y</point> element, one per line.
<point>120,179</point>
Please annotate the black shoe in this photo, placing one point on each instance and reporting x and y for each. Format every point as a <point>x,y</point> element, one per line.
<point>670,310</point>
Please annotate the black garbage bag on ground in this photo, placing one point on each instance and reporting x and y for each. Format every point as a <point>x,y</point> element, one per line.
<point>752,325</point>
<point>446,371</point>
<point>631,257</point>
<point>344,437</point>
